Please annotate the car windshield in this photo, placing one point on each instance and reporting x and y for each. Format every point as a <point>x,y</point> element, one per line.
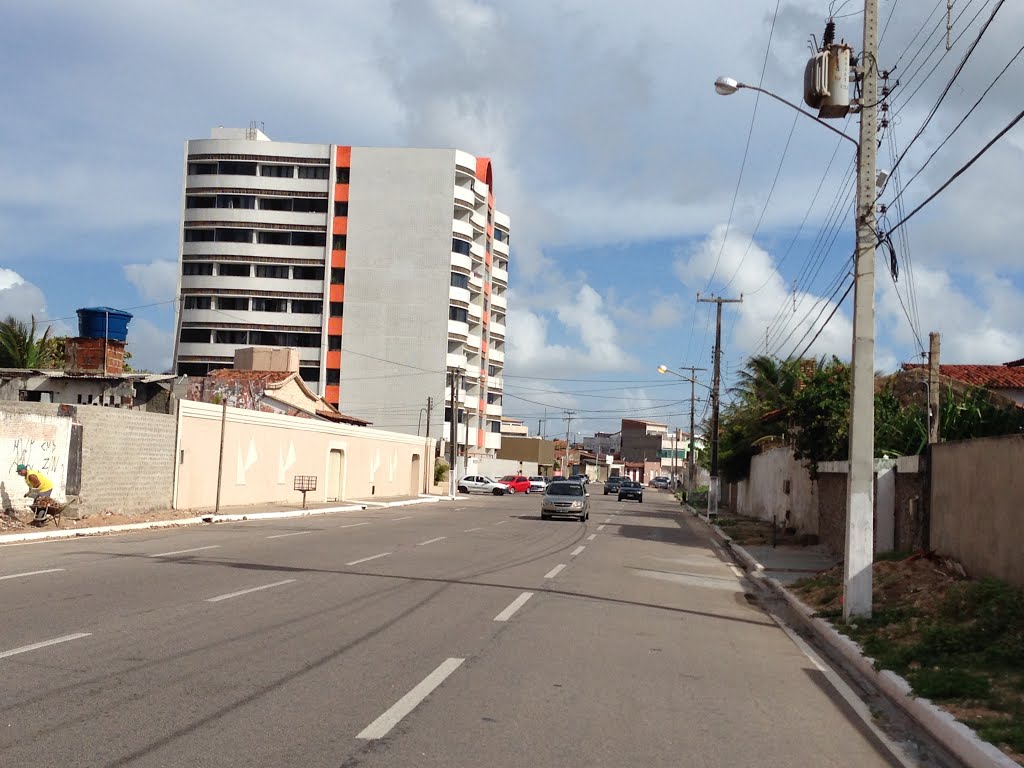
<point>565,489</point>
<point>485,479</point>
<point>509,477</point>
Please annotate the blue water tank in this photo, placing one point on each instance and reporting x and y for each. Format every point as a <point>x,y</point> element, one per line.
<point>103,323</point>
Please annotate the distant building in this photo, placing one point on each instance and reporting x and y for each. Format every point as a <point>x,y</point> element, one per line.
<point>1006,380</point>
<point>603,443</point>
<point>384,267</point>
<point>514,427</point>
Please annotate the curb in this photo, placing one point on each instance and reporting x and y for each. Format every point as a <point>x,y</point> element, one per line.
<point>953,735</point>
<point>184,522</point>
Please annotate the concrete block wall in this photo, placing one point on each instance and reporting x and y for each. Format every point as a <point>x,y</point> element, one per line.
<point>832,510</point>
<point>910,505</point>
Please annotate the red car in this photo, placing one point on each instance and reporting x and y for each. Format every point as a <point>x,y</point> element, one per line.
<point>517,483</point>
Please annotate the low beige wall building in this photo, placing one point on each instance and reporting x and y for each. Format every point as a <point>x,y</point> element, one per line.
<point>263,452</point>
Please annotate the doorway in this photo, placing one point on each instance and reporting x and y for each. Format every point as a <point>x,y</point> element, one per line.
<point>417,480</point>
<point>336,475</point>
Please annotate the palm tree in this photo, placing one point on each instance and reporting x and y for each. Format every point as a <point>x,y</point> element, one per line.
<point>20,348</point>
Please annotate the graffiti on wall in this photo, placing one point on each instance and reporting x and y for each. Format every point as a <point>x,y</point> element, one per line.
<point>38,442</point>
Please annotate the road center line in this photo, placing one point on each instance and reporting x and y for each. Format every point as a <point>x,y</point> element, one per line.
<point>554,571</point>
<point>470,530</point>
<point>600,527</point>
<point>608,520</point>
<point>501,522</point>
<point>183,551</point>
<point>36,646</point>
<point>368,559</point>
<point>514,606</point>
<point>352,525</point>
<point>282,535</point>
<point>591,537</point>
<point>407,517</point>
<point>380,727</point>
<point>431,541</point>
<point>30,573</point>
<point>229,595</point>
<point>576,551</point>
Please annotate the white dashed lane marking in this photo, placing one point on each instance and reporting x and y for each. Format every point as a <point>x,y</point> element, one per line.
<point>431,541</point>
<point>514,606</point>
<point>576,551</point>
<point>30,573</point>
<point>184,551</point>
<point>241,592</point>
<point>368,559</point>
<point>43,644</point>
<point>554,571</point>
<point>283,535</point>
<point>379,728</point>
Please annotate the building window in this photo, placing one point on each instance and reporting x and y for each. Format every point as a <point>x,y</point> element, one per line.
<point>310,205</point>
<point>234,235</point>
<point>309,374</point>
<point>494,426</point>
<point>459,280</point>
<point>341,175</point>
<point>337,309</point>
<point>269,305</point>
<point>194,336</point>
<point>460,246</point>
<point>493,399</point>
<point>274,238</point>
<point>198,201</point>
<point>200,235</point>
<point>492,370</point>
<point>236,201</point>
<point>275,203</point>
<point>448,415</point>
<point>306,307</point>
<point>198,302</point>
<point>278,171</point>
<point>197,268</point>
<point>313,172</point>
<point>236,168</point>
<point>234,270</point>
<point>202,169</point>
<point>334,343</point>
<point>458,313</point>
<point>333,376</point>
<point>499,235</point>
<point>278,271</point>
<point>341,208</point>
<point>316,239</point>
<point>308,273</point>
<point>233,303</point>
<point>338,275</point>
<point>339,242</point>
<point>229,337</point>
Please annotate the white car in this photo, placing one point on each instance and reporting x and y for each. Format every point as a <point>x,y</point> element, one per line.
<point>481,484</point>
<point>537,483</point>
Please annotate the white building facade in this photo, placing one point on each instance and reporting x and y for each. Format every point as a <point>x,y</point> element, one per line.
<point>385,268</point>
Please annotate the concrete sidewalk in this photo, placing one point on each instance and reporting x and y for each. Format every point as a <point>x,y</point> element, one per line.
<point>778,567</point>
<point>177,518</point>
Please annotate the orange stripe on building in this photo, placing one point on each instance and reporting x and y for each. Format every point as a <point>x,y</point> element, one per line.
<point>488,259</point>
<point>343,157</point>
<point>483,345</point>
<point>332,393</point>
<point>487,289</point>
<point>341,192</point>
<point>337,292</point>
<point>334,359</point>
<point>338,259</point>
<point>340,225</point>
<point>486,316</point>
<point>334,326</point>
<point>480,438</point>
<point>485,173</point>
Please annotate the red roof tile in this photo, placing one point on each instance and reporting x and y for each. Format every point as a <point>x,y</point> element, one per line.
<point>267,377</point>
<point>987,376</point>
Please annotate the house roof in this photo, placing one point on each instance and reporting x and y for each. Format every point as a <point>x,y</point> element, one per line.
<point>1014,363</point>
<point>273,379</point>
<point>986,376</point>
<point>646,421</point>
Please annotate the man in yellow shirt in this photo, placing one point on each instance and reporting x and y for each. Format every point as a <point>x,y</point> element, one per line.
<point>39,485</point>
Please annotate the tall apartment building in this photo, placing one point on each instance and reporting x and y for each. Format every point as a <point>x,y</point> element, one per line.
<point>384,267</point>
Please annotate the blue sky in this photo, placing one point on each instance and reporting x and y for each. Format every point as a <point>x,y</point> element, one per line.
<point>618,163</point>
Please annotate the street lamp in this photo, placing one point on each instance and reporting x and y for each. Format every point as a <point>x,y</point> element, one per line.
<point>857,577</point>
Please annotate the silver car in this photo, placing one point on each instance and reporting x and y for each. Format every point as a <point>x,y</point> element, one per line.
<point>537,483</point>
<point>565,498</point>
<point>481,484</point>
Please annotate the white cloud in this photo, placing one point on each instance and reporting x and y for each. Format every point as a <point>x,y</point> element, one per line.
<point>19,297</point>
<point>156,281</point>
<point>151,346</point>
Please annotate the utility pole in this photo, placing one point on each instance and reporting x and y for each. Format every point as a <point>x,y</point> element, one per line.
<point>934,387</point>
<point>860,506</point>
<point>565,458</point>
<point>716,383</point>
<point>690,462</point>
<point>544,420</point>
<point>426,458</point>
<point>453,441</point>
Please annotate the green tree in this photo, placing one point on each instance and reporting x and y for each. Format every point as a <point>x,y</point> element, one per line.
<point>21,348</point>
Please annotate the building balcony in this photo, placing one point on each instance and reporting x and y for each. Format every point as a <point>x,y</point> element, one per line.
<point>479,220</point>
<point>495,382</point>
<point>458,329</point>
<point>473,341</point>
<point>456,360</point>
<point>499,275</point>
<point>460,433</point>
<point>465,162</point>
<point>500,247</point>
<point>283,252</point>
<point>493,409</point>
<point>459,295</point>
<point>473,371</point>
<point>476,311</point>
<point>255,217</point>
<point>462,263</point>
<point>497,355</point>
<point>477,249</point>
<point>255,183</point>
<point>499,301</point>
<point>463,195</point>
<point>463,228</point>
<point>498,329</point>
<point>492,440</point>
<point>502,220</point>
<point>262,284</point>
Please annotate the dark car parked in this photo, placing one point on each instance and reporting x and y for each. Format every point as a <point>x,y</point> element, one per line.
<point>631,490</point>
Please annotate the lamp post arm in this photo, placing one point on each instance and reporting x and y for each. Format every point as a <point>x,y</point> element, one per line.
<point>801,111</point>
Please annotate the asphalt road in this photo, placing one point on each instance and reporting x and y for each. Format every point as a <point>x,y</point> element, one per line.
<point>466,633</point>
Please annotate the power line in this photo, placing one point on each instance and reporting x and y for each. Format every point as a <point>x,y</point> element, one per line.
<point>827,320</point>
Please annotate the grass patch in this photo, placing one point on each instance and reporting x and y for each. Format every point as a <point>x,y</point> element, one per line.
<point>959,643</point>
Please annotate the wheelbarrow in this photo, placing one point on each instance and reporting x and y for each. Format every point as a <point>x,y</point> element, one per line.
<point>46,508</point>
